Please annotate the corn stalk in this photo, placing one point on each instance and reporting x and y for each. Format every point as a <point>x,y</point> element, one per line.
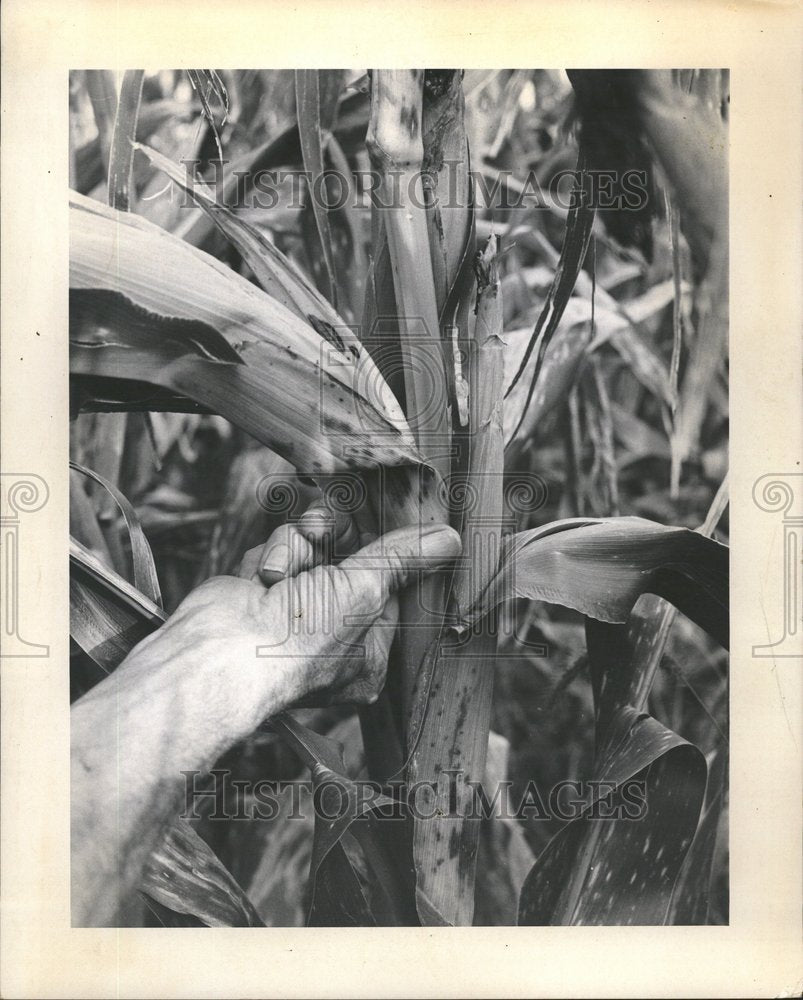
<point>445,690</point>
<point>457,715</point>
<point>396,149</point>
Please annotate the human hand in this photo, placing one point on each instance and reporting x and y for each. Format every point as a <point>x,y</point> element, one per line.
<point>187,693</point>
<point>321,536</point>
<point>293,626</point>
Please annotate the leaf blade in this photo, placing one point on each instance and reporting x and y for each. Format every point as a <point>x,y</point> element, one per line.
<point>606,872</point>
<point>601,567</point>
<point>338,412</point>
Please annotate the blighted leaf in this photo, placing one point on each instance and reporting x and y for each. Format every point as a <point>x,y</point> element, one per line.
<point>276,274</point>
<point>108,616</point>
<point>601,567</point>
<point>622,869</point>
<point>185,875</point>
<point>106,319</point>
<point>691,901</point>
<point>322,406</point>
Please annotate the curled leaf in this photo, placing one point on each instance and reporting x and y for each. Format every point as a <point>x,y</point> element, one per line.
<point>601,567</point>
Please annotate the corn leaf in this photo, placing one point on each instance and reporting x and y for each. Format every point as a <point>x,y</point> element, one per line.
<point>396,149</point>
<point>395,144</point>
<point>282,149</point>
<point>612,871</point>
<point>351,259</point>
<point>643,640</point>
<point>323,408</point>
<point>562,362</point>
<point>691,140</point>
<point>144,569</point>
<point>165,917</point>
<point>101,85</point>
<point>448,193</point>
<point>693,891</point>
<point>625,870</point>
<point>185,875</point>
<point>276,274</point>
<point>601,567</point>
<point>336,896</point>
<point>646,366</point>
<point>579,226</point>
<point>316,103</point>
<point>108,616</point>
<point>707,359</point>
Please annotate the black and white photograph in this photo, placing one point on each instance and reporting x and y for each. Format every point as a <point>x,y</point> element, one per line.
<point>398,497</point>
<point>401,503</point>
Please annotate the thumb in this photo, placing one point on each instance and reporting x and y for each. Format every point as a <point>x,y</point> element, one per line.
<point>393,560</point>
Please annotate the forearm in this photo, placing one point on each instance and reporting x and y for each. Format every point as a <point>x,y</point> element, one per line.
<point>160,713</point>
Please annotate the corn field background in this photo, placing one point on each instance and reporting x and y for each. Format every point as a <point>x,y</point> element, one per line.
<point>579,352</point>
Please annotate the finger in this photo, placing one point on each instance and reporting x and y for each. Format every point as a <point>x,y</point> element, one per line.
<point>249,564</point>
<point>286,553</point>
<point>384,566</point>
<point>333,531</point>
<point>366,522</point>
<point>294,548</point>
<point>319,522</point>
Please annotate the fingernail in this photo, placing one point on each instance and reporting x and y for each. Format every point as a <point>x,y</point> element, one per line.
<point>439,541</point>
<point>274,568</point>
<point>434,529</point>
<point>316,523</point>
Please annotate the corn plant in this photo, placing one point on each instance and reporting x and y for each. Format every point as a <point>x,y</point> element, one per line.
<point>419,348</point>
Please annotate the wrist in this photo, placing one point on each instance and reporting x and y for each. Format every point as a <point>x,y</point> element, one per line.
<point>209,689</point>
